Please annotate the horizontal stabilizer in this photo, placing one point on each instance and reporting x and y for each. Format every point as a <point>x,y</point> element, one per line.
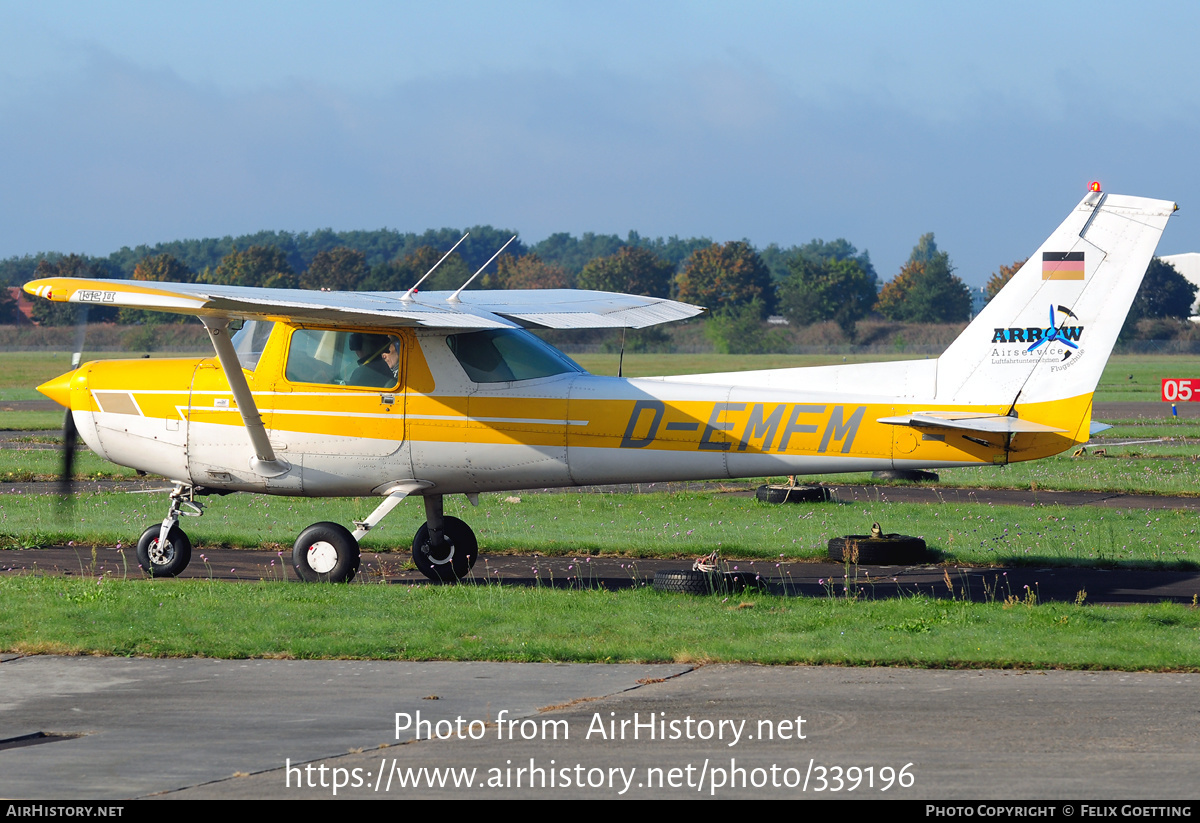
<point>986,423</point>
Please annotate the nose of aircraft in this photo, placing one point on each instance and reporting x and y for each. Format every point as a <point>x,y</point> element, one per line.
<point>59,389</point>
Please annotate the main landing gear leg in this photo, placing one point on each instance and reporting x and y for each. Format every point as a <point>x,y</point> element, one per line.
<point>163,549</point>
<point>444,548</point>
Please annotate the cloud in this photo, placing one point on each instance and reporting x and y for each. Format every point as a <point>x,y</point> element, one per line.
<point>114,154</point>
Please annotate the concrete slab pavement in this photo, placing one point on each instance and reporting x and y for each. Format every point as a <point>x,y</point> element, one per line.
<point>192,729</point>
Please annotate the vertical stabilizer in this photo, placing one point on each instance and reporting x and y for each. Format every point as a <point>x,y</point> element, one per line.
<point>1048,334</point>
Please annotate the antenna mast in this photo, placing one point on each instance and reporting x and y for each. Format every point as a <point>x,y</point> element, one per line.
<point>408,295</point>
<point>454,297</point>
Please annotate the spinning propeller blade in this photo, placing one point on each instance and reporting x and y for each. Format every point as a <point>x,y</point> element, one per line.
<point>70,435</point>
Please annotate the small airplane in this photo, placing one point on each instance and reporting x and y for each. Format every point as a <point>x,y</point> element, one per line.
<point>339,394</point>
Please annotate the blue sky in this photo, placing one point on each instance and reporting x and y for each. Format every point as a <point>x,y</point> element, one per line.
<point>124,123</point>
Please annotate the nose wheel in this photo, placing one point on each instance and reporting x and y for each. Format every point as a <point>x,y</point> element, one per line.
<point>164,550</point>
<point>163,559</point>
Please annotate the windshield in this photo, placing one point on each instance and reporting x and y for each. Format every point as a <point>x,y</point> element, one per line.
<point>503,355</point>
<point>250,340</point>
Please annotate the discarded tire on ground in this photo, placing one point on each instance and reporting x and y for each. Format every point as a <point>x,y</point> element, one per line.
<point>888,550</point>
<point>693,582</point>
<point>792,494</point>
<point>913,475</point>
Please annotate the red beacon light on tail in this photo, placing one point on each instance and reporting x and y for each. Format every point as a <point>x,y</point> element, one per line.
<point>1095,186</point>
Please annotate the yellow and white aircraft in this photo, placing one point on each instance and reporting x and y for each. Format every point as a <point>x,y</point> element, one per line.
<point>324,394</point>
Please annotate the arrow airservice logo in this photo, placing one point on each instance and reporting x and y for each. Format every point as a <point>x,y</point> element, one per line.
<point>1053,340</point>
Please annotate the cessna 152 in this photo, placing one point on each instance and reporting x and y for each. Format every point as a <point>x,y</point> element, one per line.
<point>466,401</point>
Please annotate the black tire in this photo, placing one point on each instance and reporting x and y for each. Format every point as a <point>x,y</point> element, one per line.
<point>889,550</point>
<point>912,475</point>
<point>326,553</point>
<point>792,494</point>
<point>689,582</point>
<point>694,582</point>
<point>452,560</point>
<point>171,560</point>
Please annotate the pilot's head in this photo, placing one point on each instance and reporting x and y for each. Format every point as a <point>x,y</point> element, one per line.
<point>368,346</point>
<point>391,354</point>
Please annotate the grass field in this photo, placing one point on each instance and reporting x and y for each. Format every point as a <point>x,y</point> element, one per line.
<point>137,616</point>
<point>188,618</point>
<point>1167,468</point>
<point>643,525</point>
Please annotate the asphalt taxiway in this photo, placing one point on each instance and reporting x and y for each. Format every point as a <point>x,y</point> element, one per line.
<point>117,728</point>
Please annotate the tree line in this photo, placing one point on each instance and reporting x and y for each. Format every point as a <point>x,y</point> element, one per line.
<point>741,286</point>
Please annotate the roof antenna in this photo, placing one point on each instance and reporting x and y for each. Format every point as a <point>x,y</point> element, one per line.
<point>454,297</point>
<point>408,295</point>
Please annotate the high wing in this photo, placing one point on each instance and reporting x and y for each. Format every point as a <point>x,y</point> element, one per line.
<point>482,309</point>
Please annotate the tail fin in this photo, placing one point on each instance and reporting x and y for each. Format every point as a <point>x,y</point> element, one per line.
<point>1048,334</point>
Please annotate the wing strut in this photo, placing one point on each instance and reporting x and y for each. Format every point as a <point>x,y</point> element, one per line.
<point>264,463</point>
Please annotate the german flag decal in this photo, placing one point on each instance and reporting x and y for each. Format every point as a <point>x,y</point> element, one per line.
<point>1062,265</point>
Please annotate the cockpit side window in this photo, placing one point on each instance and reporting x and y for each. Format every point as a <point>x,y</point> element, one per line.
<point>504,355</point>
<point>250,340</point>
<point>343,358</point>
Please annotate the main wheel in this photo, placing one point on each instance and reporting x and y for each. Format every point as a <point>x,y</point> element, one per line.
<point>163,561</point>
<point>326,552</point>
<point>453,559</point>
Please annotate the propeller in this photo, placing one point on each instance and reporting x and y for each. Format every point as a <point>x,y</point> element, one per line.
<point>66,477</point>
<point>70,435</point>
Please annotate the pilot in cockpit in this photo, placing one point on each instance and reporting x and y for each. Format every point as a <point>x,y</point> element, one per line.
<point>374,368</point>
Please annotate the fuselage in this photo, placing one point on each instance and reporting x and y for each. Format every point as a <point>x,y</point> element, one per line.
<point>488,411</point>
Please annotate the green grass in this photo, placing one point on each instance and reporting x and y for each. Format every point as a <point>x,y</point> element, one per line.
<point>19,421</point>
<point>644,525</point>
<point>1138,377</point>
<point>483,622</point>
<point>1141,475</point>
<point>26,465</point>
<point>22,372</point>
<point>1151,427</point>
<point>8,395</point>
<point>1148,468</point>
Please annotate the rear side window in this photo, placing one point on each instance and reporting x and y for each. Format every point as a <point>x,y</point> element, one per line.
<point>504,355</point>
